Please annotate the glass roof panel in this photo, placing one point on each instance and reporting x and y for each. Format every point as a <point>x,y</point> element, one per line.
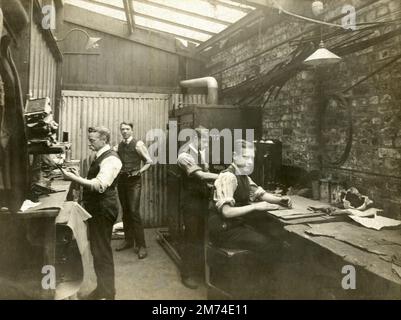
<point>212,9</point>
<point>174,11</point>
<point>169,14</point>
<point>161,26</point>
<point>237,4</point>
<point>98,8</point>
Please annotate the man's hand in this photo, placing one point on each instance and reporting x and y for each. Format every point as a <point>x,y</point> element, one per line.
<point>74,171</point>
<point>265,206</point>
<point>136,173</point>
<point>286,202</point>
<point>71,174</point>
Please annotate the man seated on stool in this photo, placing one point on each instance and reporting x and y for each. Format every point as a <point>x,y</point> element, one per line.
<point>237,198</point>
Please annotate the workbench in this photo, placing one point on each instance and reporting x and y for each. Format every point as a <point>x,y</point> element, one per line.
<point>44,235</point>
<point>319,247</point>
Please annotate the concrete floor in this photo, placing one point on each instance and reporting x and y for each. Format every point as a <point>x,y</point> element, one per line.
<point>153,278</point>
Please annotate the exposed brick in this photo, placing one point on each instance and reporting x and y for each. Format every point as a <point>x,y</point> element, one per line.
<point>389,153</point>
<point>374,100</point>
<point>293,116</point>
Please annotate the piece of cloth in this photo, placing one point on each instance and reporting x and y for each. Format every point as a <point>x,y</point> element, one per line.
<point>226,185</point>
<point>109,170</point>
<point>129,192</point>
<point>74,216</point>
<point>14,161</point>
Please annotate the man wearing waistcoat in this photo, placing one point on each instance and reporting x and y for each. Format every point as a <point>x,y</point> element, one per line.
<point>100,200</point>
<point>194,205</point>
<point>132,152</point>
<point>238,200</point>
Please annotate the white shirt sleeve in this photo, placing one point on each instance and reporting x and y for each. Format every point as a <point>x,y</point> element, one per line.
<point>143,151</point>
<point>226,184</point>
<point>256,192</point>
<point>109,170</point>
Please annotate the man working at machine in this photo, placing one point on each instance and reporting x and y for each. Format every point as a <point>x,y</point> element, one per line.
<point>238,199</point>
<point>100,200</point>
<point>194,204</point>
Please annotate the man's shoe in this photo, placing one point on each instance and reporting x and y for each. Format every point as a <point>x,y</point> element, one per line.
<point>124,246</point>
<point>189,282</point>
<point>142,253</point>
<point>106,298</point>
<point>91,296</point>
<point>136,250</point>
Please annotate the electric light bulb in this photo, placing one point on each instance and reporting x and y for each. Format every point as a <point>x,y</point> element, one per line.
<point>317,7</point>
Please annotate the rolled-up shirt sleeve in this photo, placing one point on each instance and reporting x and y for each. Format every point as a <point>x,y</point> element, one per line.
<point>225,185</point>
<point>256,192</point>
<point>187,163</point>
<point>143,152</point>
<point>109,170</point>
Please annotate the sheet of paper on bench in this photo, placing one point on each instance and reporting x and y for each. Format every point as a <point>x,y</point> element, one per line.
<point>299,208</point>
<point>377,223</point>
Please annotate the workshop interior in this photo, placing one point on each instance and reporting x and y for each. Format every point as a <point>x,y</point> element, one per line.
<point>126,125</point>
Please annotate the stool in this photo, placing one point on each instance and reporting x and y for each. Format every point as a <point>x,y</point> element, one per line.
<point>232,273</point>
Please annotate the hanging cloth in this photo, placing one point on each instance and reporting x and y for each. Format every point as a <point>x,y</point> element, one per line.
<point>14,160</point>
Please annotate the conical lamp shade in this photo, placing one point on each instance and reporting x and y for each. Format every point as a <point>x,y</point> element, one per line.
<point>322,57</point>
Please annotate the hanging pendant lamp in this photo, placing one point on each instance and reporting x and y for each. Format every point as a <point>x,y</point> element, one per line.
<point>322,57</point>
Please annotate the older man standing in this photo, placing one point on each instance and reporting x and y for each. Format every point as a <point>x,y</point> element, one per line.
<point>132,152</point>
<point>100,200</point>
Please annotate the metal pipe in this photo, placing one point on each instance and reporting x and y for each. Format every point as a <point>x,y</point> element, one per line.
<point>209,82</point>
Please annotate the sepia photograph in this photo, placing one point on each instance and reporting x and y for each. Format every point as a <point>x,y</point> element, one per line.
<point>211,152</point>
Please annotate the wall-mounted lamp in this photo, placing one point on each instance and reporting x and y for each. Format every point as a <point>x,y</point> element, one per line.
<point>92,43</point>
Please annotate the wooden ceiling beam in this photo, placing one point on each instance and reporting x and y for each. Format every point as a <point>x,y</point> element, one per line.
<point>128,15</point>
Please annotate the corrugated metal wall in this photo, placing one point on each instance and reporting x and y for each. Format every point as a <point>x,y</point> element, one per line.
<point>179,100</point>
<point>81,110</point>
<point>43,67</point>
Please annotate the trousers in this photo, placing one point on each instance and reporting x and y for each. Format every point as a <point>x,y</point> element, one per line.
<point>129,192</point>
<point>194,211</point>
<point>250,234</point>
<point>100,231</point>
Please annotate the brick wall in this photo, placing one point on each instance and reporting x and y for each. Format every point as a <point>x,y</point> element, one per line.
<point>295,116</point>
